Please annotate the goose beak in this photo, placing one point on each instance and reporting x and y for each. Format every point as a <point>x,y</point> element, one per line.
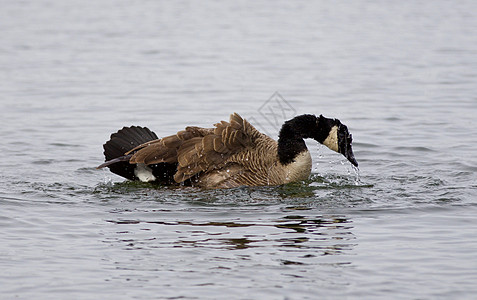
<point>350,156</point>
<point>344,144</point>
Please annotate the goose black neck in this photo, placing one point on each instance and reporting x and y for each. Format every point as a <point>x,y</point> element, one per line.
<point>292,133</point>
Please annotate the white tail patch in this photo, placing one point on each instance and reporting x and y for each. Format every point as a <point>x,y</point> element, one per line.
<point>332,140</point>
<point>144,173</point>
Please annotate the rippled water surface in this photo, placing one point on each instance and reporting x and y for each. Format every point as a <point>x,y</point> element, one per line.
<point>401,75</point>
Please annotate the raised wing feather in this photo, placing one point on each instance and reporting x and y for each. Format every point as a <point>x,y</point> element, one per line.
<point>197,150</point>
<point>213,150</point>
<point>165,149</point>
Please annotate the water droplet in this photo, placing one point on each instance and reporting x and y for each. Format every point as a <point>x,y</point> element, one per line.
<point>357,179</point>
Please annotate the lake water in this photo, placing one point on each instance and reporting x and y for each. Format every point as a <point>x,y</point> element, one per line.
<point>401,75</point>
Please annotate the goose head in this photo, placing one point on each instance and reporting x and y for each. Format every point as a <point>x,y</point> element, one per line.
<point>329,132</point>
<point>335,135</point>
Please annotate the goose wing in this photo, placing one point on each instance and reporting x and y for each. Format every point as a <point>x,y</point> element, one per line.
<point>198,150</point>
<point>165,149</point>
<point>212,151</point>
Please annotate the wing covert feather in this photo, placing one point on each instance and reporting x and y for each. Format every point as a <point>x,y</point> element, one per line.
<point>214,149</point>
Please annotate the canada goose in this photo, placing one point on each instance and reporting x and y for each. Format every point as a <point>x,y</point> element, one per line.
<point>232,154</point>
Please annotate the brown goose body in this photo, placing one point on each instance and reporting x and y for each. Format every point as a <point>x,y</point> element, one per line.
<point>229,155</point>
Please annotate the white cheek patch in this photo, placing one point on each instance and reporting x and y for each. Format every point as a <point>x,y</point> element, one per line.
<point>332,140</point>
<point>144,173</point>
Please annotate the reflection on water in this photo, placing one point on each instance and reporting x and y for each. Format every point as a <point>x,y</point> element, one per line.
<point>320,235</point>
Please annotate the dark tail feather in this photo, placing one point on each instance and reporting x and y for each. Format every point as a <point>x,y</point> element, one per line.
<point>120,143</point>
<point>127,139</point>
<point>115,160</point>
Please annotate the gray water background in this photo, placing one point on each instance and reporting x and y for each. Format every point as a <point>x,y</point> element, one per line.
<point>401,74</point>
